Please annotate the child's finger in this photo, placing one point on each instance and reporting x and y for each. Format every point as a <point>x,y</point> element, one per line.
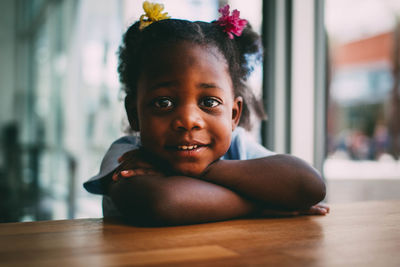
<point>321,208</point>
<point>316,210</point>
<point>322,211</point>
<point>124,174</point>
<point>136,172</point>
<point>128,173</point>
<point>325,207</point>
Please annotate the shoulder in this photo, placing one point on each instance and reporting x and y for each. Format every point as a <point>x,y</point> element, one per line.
<point>110,162</point>
<point>244,146</point>
<point>117,148</point>
<point>128,139</point>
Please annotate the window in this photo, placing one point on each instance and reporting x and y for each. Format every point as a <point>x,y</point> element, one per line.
<point>64,108</point>
<point>363,124</point>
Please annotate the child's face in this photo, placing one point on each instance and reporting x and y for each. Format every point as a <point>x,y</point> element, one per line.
<point>185,107</point>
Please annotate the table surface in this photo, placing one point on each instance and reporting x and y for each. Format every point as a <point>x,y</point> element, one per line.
<point>356,234</point>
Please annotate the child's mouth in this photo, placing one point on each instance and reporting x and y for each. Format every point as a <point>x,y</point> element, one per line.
<point>188,151</point>
<point>189,147</point>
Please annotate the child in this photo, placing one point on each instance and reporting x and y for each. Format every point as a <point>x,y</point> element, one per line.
<point>186,95</point>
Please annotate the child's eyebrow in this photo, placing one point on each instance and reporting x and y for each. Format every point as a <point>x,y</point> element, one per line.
<point>209,86</point>
<point>163,85</point>
<point>174,83</point>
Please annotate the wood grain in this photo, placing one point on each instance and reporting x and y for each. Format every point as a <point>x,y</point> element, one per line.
<point>357,234</point>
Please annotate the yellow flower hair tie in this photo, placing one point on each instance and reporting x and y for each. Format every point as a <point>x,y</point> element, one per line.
<point>153,13</point>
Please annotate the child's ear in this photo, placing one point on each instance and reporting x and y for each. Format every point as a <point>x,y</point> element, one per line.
<point>236,111</point>
<point>131,112</point>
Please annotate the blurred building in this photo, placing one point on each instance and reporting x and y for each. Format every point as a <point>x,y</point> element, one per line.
<point>360,90</point>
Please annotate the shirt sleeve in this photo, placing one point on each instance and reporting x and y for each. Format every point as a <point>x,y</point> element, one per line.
<point>110,163</point>
<point>243,147</point>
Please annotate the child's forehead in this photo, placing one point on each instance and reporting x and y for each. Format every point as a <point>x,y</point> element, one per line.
<point>182,55</point>
<point>187,47</point>
<point>201,64</point>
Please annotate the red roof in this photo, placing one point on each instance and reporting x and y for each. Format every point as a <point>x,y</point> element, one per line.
<point>372,49</point>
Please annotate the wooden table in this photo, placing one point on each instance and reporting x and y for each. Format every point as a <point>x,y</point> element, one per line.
<point>357,234</point>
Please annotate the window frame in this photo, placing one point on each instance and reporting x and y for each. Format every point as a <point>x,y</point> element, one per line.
<point>295,78</point>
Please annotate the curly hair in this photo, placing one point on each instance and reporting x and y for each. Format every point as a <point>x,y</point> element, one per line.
<point>238,52</point>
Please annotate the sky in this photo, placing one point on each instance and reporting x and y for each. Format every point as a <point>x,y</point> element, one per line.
<point>356,19</point>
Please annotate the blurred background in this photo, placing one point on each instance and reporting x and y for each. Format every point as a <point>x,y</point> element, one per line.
<point>330,83</point>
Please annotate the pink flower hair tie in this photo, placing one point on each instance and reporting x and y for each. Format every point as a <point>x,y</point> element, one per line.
<point>231,24</point>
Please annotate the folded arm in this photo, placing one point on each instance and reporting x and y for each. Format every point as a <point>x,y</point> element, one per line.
<point>160,200</point>
<point>274,182</point>
<point>227,189</point>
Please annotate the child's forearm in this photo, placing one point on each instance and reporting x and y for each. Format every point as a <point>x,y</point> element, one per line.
<point>156,200</point>
<point>281,181</point>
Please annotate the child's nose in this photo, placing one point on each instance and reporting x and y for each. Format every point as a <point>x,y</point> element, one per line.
<point>188,118</point>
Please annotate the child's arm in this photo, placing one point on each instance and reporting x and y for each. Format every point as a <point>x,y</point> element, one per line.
<point>144,194</point>
<point>277,182</point>
<point>161,200</point>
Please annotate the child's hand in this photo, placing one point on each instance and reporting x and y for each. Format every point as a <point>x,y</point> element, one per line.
<point>319,209</point>
<point>133,163</point>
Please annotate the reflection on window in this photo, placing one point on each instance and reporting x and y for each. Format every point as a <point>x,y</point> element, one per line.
<point>364,95</point>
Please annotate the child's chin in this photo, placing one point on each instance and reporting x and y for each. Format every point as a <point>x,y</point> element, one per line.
<point>192,172</point>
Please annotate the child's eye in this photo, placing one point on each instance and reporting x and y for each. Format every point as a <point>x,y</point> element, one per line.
<point>163,103</point>
<point>210,102</point>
